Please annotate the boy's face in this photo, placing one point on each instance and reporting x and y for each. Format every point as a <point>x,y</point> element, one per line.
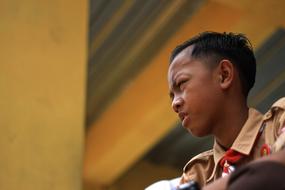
<point>195,93</point>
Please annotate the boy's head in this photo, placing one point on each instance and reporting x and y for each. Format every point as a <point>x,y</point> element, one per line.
<point>202,71</point>
<point>217,46</point>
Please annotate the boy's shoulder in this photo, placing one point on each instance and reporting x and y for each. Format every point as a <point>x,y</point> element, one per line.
<point>279,105</point>
<point>199,168</point>
<point>200,158</point>
<point>274,119</point>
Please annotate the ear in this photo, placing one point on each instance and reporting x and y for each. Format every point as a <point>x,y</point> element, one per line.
<point>225,73</point>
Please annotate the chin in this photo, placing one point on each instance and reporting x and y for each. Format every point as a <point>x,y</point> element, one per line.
<point>198,133</point>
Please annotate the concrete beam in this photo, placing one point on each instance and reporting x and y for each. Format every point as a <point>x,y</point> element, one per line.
<point>141,115</point>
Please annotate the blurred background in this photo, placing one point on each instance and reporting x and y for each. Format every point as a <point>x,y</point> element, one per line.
<point>84,96</point>
<point>133,138</point>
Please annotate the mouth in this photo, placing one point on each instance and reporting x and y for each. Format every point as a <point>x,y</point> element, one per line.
<point>182,115</point>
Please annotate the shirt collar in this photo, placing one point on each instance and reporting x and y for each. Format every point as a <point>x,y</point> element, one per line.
<point>245,139</point>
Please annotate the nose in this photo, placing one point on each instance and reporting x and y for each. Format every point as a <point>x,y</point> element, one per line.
<point>177,103</point>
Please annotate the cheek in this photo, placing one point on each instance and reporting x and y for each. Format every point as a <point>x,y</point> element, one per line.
<point>201,99</point>
<point>197,95</point>
<point>193,102</point>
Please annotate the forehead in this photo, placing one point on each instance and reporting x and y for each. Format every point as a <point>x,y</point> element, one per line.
<point>180,61</point>
<point>184,54</point>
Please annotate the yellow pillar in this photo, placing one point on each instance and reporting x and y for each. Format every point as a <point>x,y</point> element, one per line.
<point>42,93</point>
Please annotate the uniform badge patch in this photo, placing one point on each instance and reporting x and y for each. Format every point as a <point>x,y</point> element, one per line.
<point>265,150</point>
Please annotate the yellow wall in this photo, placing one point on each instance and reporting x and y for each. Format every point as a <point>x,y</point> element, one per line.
<point>42,93</point>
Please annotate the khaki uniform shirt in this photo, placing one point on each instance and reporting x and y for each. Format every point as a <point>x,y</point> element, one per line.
<point>204,168</point>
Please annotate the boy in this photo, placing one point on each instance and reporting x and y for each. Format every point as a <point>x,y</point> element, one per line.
<point>209,79</point>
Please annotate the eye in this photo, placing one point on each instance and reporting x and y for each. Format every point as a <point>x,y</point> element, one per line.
<point>181,83</point>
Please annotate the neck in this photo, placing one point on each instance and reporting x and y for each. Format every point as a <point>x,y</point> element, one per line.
<point>231,125</point>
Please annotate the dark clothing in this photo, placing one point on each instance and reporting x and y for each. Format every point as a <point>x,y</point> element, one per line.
<point>258,176</point>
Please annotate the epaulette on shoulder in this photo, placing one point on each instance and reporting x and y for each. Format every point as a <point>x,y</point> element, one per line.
<point>279,104</point>
<point>204,156</point>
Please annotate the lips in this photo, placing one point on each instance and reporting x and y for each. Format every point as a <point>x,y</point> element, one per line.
<point>185,119</point>
<point>182,115</point>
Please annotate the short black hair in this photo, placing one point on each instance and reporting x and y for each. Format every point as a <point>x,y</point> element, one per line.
<point>234,47</point>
